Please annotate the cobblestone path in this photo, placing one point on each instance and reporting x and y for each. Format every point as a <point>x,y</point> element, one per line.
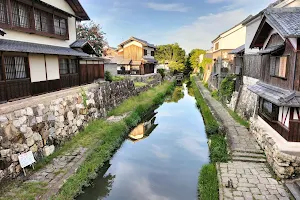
<point>247,176</point>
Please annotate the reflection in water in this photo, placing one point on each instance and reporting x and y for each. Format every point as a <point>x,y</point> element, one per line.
<point>144,129</point>
<point>177,95</point>
<point>163,165</point>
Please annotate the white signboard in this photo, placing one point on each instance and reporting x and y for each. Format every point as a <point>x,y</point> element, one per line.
<point>26,159</point>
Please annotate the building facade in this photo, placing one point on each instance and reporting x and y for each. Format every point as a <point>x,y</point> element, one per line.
<point>39,52</point>
<point>136,57</point>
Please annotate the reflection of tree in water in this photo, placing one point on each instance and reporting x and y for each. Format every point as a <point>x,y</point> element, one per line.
<point>177,95</point>
<point>190,88</point>
<point>101,186</point>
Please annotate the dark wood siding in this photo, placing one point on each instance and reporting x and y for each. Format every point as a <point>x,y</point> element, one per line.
<point>297,73</point>
<point>275,39</point>
<point>252,66</point>
<point>285,83</point>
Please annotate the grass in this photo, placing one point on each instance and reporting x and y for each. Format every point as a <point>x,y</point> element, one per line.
<point>142,100</point>
<point>27,191</point>
<point>101,138</point>
<point>238,119</point>
<point>140,84</point>
<point>112,136</point>
<point>208,181</point>
<point>117,78</point>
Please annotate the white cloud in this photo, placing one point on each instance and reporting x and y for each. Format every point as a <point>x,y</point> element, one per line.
<point>175,7</point>
<point>200,33</point>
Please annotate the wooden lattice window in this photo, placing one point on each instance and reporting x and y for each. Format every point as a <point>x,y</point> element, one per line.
<point>4,19</point>
<point>60,26</point>
<point>63,66</point>
<point>73,67</point>
<point>20,14</point>
<point>278,66</point>
<point>43,21</point>
<point>269,109</point>
<point>16,67</point>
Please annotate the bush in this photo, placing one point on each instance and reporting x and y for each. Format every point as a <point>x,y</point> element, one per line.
<point>215,94</point>
<point>226,88</point>
<point>118,78</point>
<point>108,76</point>
<point>162,73</point>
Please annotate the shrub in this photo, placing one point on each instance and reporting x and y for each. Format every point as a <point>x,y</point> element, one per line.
<point>108,76</point>
<point>215,94</point>
<point>227,88</point>
<point>162,73</point>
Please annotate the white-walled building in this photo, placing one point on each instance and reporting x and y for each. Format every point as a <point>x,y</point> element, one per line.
<point>39,52</point>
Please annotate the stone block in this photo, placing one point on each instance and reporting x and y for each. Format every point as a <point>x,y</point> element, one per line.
<point>5,153</point>
<point>14,157</point>
<point>70,116</point>
<point>3,119</point>
<point>23,120</point>
<point>34,148</point>
<point>30,141</point>
<point>36,136</point>
<point>39,119</point>
<point>48,150</point>
<point>29,111</point>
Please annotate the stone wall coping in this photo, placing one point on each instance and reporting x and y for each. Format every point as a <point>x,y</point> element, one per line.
<point>138,76</point>
<point>292,148</point>
<point>42,99</point>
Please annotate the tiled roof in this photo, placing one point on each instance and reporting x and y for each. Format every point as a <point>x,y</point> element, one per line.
<point>272,49</point>
<point>278,96</point>
<point>285,20</point>
<point>79,43</point>
<point>144,42</point>
<point>240,49</point>
<point>149,60</point>
<point>26,47</point>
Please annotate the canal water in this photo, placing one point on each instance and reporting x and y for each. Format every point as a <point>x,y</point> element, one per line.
<point>161,158</point>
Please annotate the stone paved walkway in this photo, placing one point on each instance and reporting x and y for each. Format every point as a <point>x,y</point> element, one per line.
<point>247,176</point>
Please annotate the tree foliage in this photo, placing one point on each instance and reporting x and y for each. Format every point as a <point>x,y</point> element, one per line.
<point>94,34</point>
<point>194,58</point>
<point>173,54</point>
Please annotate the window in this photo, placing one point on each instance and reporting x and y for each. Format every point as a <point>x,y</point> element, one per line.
<point>60,27</point>
<point>217,46</point>
<point>63,66</point>
<point>145,52</point>
<point>73,66</point>
<point>268,109</point>
<point>152,53</point>
<point>16,67</point>
<point>4,12</point>
<point>278,66</point>
<point>43,21</point>
<point>20,14</point>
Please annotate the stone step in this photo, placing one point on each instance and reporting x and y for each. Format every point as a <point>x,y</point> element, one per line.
<point>294,189</point>
<point>250,155</point>
<point>249,159</point>
<point>249,151</point>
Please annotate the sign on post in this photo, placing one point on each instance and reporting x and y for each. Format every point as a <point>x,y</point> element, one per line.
<point>26,159</point>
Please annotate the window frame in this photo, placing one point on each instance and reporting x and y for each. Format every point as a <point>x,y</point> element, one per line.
<point>275,110</point>
<point>216,46</point>
<point>13,20</point>
<point>152,53</point>
<point>145,52</point>
<point>275,70</point>
<point>70,69</point>
<point>16,71</point>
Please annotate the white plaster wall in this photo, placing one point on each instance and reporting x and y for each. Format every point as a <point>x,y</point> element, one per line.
<point>251,29</point>
<point>61,4</point>
<point>52,67</point>
<point>133,43</point>
<point>234,38</point>
<point>33,38</point>
<point>295,113</point>
<point>284,112</point>
<point>149,52</point>
<point>111,67</point>
<point>37,67</point>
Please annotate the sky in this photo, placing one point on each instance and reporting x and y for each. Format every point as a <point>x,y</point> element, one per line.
<point>191,23</point>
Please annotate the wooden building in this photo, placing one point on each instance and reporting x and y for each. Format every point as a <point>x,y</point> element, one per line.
<point>39,52</point>
<point>278,39</point>
<point>136,57</point>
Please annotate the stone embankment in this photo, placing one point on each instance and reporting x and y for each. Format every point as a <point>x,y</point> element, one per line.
<point>247,176</point>
<point>40,124</point>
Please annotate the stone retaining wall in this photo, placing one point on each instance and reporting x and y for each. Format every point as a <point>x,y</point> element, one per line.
<point>284,165</point>
<point>42,127</point>
<point>245,101</point>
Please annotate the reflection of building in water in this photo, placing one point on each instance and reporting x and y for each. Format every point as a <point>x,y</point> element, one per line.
<point>144,129</point>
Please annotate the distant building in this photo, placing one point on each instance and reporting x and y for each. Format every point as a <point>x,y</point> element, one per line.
<point>136,57</point>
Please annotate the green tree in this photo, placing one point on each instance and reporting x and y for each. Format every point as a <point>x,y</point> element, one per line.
<point>94,34</point>
<point>194,58</point>
<point>173,54</point>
